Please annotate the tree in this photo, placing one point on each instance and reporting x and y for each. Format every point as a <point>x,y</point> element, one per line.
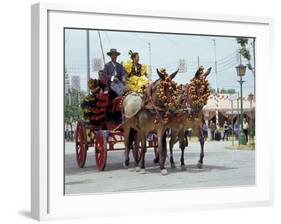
<point>227,91</point>
<point>212,90</point>
<point>72,111</point>
<point>244,51</point>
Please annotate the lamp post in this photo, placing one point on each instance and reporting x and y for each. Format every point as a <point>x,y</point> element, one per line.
<point>250,98</point>
<point>241,70</point>
<point>232,98</point>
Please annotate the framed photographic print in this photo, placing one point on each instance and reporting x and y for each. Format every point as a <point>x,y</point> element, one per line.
<point>136,109</point>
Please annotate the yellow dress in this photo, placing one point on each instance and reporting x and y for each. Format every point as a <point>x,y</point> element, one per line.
<point>136,77</point>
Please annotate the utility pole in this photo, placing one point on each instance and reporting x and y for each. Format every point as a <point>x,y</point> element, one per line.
<point>198,61</point>
<point>254,53</point>
<point>101,48</point>
<point>88,56</point>
<point>149,55</point>
<point>216,76</point>
<point>232,122</point>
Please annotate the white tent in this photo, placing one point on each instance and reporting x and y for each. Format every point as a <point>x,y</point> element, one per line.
<point>224,103</point>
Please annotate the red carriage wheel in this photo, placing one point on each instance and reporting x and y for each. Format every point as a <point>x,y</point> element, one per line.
<point>81,145</point>
<point>101,151</point>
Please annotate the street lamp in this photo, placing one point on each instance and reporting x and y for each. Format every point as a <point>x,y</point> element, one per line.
<point>241,70</point>
<point>251,98</point>
<point>232,98</point>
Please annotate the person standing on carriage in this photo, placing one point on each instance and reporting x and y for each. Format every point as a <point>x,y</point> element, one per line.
<point>115,72</point>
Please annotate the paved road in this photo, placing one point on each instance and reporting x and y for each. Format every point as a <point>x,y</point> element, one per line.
<point>222,167</point>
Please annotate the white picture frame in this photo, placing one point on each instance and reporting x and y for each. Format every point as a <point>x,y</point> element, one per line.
<point>48,200</point>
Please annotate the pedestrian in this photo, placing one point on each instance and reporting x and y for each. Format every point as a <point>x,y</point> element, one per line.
<point>225,131</point>
<point>213,128</point>
<point>115,72</point>
<point>217,134</point>
<point>246,128</point>
<point>189,133</point>
<point>204,129</point>
<point>236,129</point>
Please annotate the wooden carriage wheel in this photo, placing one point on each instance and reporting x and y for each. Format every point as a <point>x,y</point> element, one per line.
<point>81,145</point>
<point>101,151</point>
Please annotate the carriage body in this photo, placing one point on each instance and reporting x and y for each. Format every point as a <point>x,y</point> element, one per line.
<point>105,137</point>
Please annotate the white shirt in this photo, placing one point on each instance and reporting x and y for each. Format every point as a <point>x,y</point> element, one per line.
<point>114,65</point>
<point>245,125</point>
<point>115,72</point>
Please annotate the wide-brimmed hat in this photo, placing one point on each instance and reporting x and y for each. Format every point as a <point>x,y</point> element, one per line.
<point>113,51</point>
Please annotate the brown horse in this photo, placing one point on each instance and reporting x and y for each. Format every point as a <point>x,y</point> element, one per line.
<point>137,128</point>
<point>178,135</point>
<point>196,122</point>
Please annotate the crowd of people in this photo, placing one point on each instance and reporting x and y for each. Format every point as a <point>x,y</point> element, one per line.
<point>217,133</point>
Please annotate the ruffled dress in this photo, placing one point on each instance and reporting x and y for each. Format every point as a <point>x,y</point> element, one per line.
<point>136,76</point>
<point>94,107</point>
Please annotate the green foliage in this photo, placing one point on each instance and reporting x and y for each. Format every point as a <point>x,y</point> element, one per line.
<point>227,91</point>
<point>250,66</point>
<point>212,90</point>
<point>245,53</point>
<point>72,101</point>
<point>242,41</point>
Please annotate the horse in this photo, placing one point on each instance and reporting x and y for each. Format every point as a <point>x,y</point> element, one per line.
<point>178,135</point>
<point>152,116</point>
<point>192,118</point>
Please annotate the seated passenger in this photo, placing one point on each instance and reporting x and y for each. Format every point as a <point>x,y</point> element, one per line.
<point>136,73</point>
<point>95,105</point>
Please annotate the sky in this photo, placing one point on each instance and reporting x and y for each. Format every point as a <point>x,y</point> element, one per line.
<point>166,51</point>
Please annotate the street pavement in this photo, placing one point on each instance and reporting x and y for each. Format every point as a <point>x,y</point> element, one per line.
<point>222,168</point>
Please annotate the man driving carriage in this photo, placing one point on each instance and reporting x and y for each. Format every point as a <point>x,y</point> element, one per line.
<point>115,72</point>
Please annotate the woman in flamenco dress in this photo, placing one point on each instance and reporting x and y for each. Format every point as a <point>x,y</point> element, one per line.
<point>136,73</point>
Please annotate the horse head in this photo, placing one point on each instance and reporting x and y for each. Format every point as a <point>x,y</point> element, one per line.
<point>165,91</point>
<point>198,89</point>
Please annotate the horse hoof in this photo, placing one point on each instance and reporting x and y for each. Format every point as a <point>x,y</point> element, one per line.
<point>138,169</point>
<point>199,165</point>
<point>142,171</point>
<point>164,172</point>
<point>183,168</point>
<point>125,166</point>
<point>173,166</point>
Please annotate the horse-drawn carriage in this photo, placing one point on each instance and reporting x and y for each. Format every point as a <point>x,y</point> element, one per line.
<point>164,108</point>
<point>104,137</point>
